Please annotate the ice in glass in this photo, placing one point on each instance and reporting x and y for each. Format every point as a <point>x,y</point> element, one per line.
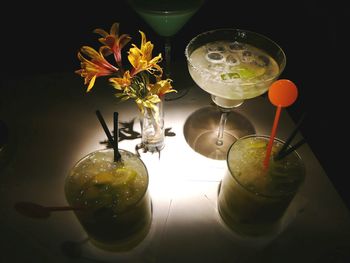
<point>251,199</point>
<point>232,70</point>
<point>232,65</point>
<point>116,207</point>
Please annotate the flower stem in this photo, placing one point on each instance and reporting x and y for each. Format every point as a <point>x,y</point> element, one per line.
<point>155,124</point>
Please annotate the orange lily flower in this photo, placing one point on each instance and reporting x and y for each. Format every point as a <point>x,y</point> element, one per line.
<point>161,87</point>
<point>120,83</point>
<point>113,42</point>
<point>96,67</point>
<point>141,58</point>
<point>142,82</point>
<point>148,102</point>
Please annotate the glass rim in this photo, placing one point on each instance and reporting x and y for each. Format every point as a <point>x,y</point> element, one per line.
<point>122,150</point>
<point>165,11</point>
<point>244,31</point>
<point>267,137</point>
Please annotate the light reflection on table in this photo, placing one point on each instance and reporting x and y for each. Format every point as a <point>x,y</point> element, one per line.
<point>55,124</point>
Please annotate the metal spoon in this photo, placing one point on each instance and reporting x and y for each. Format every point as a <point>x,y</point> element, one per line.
<point>38,211</point>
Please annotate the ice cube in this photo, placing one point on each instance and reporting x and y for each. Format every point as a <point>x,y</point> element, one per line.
<point>232,60</point>
<point>247,56</point>
<point>262,61</point>
<point>217,67</point>
<point>214,57</point>
<point>215,47</point>
<point>236,46</point>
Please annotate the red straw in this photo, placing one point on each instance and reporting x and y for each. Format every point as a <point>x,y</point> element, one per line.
<point>282,93</point>
<point>272,137</point>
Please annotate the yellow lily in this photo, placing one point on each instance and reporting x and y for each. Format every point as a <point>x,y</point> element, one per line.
<point>96,67</point>
<point>120,83</point>
<point>148,102</point>
<point>113,42</point>
<point>142,82</point>
<point>141,58</point>
<point>161,87</point>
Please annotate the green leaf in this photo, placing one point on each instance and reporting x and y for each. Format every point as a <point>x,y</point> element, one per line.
<point>230,75</point>
<point>122,96</point>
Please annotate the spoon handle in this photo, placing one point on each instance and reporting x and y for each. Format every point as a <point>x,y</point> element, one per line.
<point>62,208</point>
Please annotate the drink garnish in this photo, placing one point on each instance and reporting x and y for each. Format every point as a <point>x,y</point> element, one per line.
<point>243,72</point>
<point>258,144</point>
<point>230,75</point>
<point>124,176</point>
<point>282,93</point>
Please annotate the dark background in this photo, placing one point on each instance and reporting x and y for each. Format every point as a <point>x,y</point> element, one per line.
<point>42,38</point>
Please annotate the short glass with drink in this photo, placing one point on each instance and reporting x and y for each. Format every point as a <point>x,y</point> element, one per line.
<point>115,206</point>
<point>252,199</point>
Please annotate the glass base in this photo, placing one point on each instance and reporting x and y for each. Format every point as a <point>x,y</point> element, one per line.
<point>247,230</point>
<point>205,144</point>
<point>127,243</point>
<point>123,245</point>
<point>201,130</point>
<point>155,146</point>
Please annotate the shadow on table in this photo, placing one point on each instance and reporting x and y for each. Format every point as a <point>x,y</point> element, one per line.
<point>200,131</point>
<point>127,132</point>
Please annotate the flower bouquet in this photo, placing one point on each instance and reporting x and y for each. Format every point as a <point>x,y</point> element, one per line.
<point>141,80</point>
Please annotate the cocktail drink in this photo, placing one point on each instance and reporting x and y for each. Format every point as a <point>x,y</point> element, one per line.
<point>232,65</point>
<point>115,207</point>
<point>252,200</point>
<point>232,71</point>
<point>166,17</point>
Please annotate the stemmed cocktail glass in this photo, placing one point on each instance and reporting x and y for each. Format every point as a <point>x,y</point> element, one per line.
<point>232,65</point>
<point>166,17</point>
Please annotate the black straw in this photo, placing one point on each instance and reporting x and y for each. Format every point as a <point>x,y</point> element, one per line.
<point>283,154</point>
<point>105,128</point>
<point>117,156</point>
<point>116,153</point>
<point>284,151</point>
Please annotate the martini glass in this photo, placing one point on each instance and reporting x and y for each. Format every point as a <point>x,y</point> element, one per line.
<point>232,65</point>
<point>166,17</point>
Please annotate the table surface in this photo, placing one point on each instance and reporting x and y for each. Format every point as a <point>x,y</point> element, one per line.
<point>53,124</point>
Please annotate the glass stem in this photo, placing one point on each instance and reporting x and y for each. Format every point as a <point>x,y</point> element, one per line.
<point>223,119</point>
<point>167,51</point>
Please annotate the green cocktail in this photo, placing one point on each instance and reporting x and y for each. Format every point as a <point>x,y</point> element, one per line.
<point>252,200</point>
<point>113,196</point>
<point>166,17</point>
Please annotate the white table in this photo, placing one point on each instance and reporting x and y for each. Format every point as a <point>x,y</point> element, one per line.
<point>55,124</point>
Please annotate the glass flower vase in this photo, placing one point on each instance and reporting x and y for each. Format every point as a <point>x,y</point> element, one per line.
<point>152,127</point>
